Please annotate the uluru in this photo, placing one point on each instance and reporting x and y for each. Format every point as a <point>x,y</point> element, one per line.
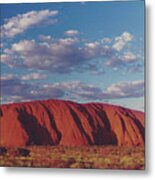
<point>59,122</point>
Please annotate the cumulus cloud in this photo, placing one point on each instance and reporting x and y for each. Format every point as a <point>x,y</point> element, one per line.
<point>69,54</point>
<point>68,41</point>
<point>13,89</point>
<point>124,59</point>
<point>72,90</point>
<point>20,23</point>
<point>7,77</point>
<point>122,40</point>
<point>61,56</point>
<point>125,89</point>
<point>33,76</point>
<point>11,99</point>
<point>12,86</point>
<point>129,57</point>
<point>92,45</point>
<point>88,92</point>
<point>106,40</point>
<point>71,32</point>
<point>46,39</point>
<point>115,91</point>
<point>114,61</point>
<point>25,77</point>
<point>77,90</point>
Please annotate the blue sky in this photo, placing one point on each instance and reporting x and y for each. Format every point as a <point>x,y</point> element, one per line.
<point>85,52</point>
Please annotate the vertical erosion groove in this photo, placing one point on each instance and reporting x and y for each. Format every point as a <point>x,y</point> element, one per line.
<point>38,135</point>
<point>104,134</point>
<point>52,121</point>
<point>79,124</point>
<point>139,126</point>
<point>1,113</point>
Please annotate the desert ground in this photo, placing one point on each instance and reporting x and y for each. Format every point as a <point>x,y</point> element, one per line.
<point>96,157</point>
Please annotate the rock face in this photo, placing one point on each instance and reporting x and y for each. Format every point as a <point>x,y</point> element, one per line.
<point>57,122</point>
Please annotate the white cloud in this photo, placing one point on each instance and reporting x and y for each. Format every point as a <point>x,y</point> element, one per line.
<point>121,41</point>
<point>24,45</point>
<point>61,56</point>
<point>7,77</point>
<point>82,91</point>
<point>68,41</point>
<point>126,89</point>
<point>5,58</point>
<point>126,36</point>
<point>25,77</point>
<point>122,60</point>
<point>71,32</point>
<point>45,39</point>
<point>114,61</point>
<point>11,99</point>
<point>92,45</point>
<point>129,57</point>
<point>21,22</point>
<point>33,76</point>
<point>106,40</point>
<point>13,88</point>
<point>66,55</point>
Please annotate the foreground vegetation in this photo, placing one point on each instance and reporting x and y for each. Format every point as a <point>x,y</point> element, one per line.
<point>98,157</point>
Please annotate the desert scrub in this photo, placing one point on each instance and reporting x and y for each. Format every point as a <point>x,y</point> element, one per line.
<point>102,157</point>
